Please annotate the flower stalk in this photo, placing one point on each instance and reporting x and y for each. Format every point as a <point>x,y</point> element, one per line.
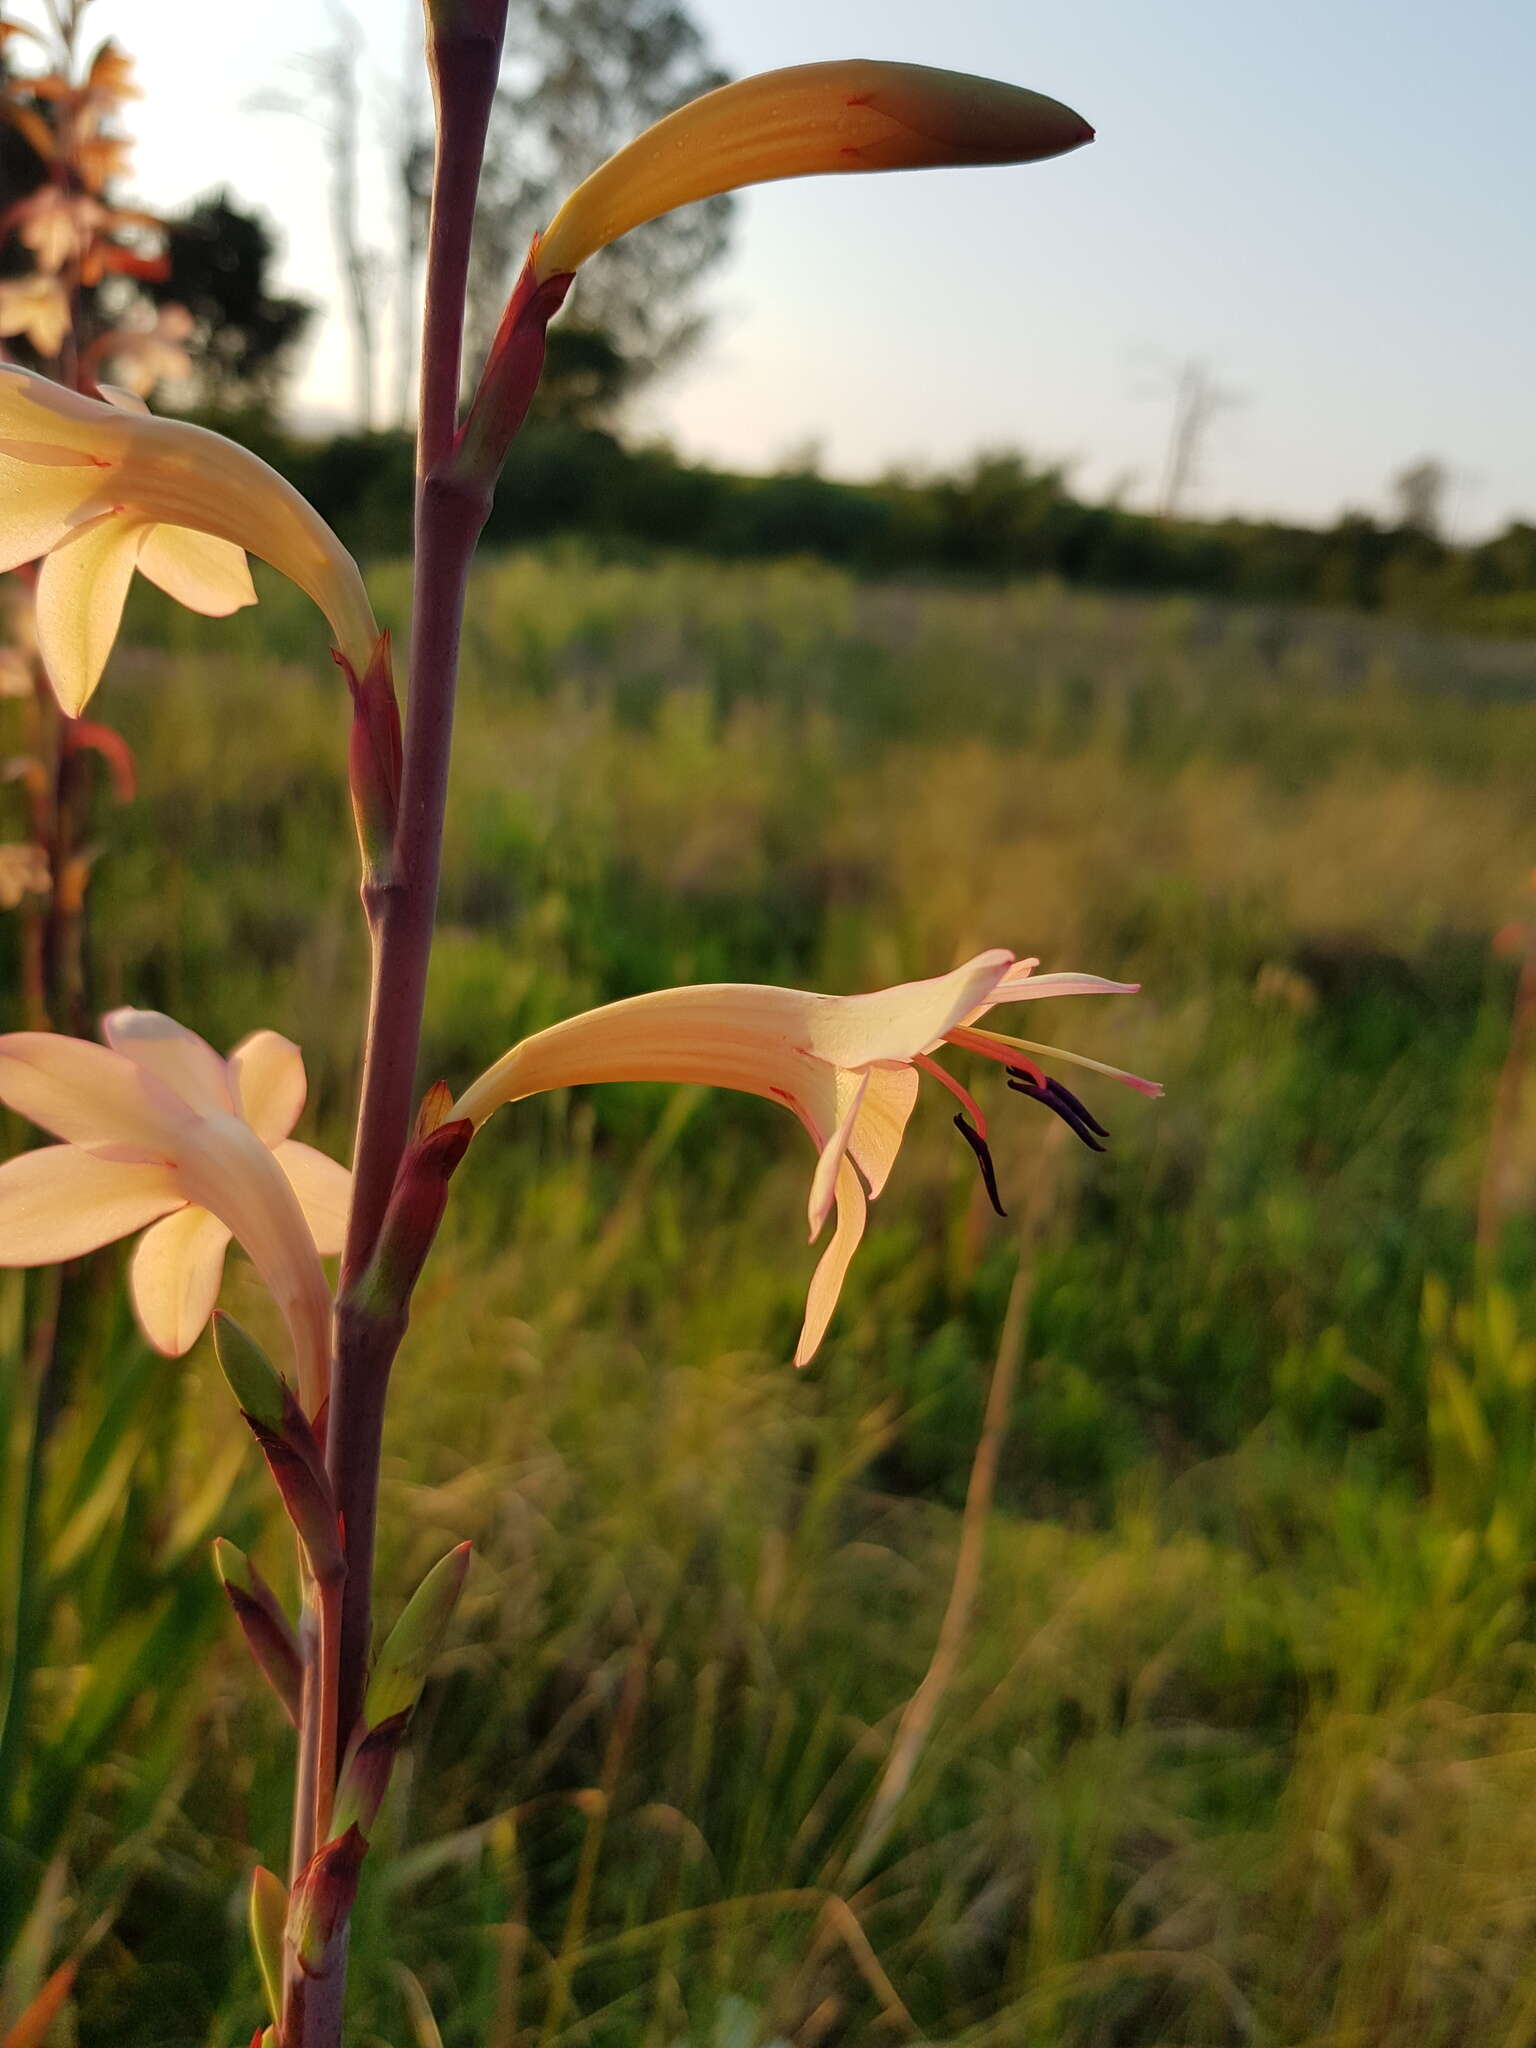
<point>464,43</point>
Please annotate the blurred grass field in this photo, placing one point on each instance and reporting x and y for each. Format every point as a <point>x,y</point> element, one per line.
<point>1241,1742</point>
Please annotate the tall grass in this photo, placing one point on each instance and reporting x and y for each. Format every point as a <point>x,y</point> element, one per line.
<point>1237,1742</point>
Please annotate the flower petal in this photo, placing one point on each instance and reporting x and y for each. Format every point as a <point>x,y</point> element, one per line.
<point>80,592</point>
<point>225,1167</point>
<point>869,1111</point>
<point>88,1095</point>
<point>324,1190</point>
<point>187,1064</point>
<point>174,1278</point>
<point>827,1280</point>
<point>268,1074</point>
<point>882,1121</point>
<point>58,1202</point>
<point>206,575</point>
<point>34,408</point>
<point>172,473</point>
<point>895,1023</point>
<point>1024,988</point>
<point>829,1163</point>
<point>38,505</point>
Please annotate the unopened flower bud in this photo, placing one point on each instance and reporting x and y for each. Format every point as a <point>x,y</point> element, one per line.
<point>415,1639</point>
<point>374,761</point>
<point>366,1772</point>
<point>322,1899</point>
<point>288,1443</point>
<point>853,115</point>
<point>511,375</point>
<point>268,1915</point>
<point>435,1105</point>
<point>266,1628</point>
<point>411,1221</point>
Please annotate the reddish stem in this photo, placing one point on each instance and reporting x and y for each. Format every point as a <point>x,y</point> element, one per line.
<point>464,42</point>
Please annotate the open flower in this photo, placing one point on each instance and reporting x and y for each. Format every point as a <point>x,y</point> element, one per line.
<point>848,1066</point>
<point>37,307</point>
<point>159,1130</point>
<point>56,225</point>
<point>146,354</point>
<point>99,490</point>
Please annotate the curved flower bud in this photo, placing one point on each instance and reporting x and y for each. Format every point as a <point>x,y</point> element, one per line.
<point>855,115</point>
<point>847,1066</point>
<point>97,491</point>
<point>809,119</point>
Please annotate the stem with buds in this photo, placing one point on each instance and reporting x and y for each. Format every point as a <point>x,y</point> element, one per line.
<point>464,42</point>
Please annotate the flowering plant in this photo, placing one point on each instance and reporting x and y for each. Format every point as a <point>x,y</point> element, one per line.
<point>159,1133</point>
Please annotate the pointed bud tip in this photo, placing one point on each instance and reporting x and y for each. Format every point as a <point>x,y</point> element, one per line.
<point>435,1105</point>
<point>254,1380</point>
<point>232,1565</point>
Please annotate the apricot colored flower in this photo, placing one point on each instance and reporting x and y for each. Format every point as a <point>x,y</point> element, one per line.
<point>855,115</point>
<point>100,490</point>
<point>57,226</point>
<point>143,356</point>
<point>37,307</point>
<point>847,1066</point>
<point>157,1129</point>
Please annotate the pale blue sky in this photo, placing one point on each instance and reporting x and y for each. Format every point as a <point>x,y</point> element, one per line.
<point>1330,202</point>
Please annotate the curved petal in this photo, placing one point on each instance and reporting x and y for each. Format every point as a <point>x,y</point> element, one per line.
<point>38,505</point>
<point>34,408</point>
<point>206,575</point>
<point>268,1074</point>
<point>827,1280</point>
<point>81,588</point>
<point>174,1278</point>
<point>1021,988</point>
<point>882,1122</point>
<point>895,1023</point>
<point>225,1167</point>
<point>829,1163</point>
<point>171,473</point>
<point>57,1202</point>
<point>88,1095</point>
<point>187,1064</point>
<point>324,1190</point>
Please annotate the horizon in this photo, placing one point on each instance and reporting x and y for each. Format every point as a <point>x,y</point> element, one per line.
<point>1336,292</point>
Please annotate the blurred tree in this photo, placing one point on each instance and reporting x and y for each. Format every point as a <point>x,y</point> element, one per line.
<point>586,375</point>
<point>330,94</point>
<point>582,78</point>
<point>245,334</point>
<point>1420,492</point>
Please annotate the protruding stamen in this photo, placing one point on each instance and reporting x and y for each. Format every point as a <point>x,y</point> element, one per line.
<point>983,1151</point>
<point>1079,1108</point>
<point>1061,1102</point>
